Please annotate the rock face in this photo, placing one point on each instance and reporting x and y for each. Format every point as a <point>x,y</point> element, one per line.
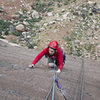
<point>18,82</point>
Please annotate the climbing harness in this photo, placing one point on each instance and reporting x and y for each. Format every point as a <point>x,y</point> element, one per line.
<point>52,89</point>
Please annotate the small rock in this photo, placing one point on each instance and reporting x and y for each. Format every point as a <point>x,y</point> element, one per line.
<point>77,41</point>
<point>45,24</point>
<point>25,23</point>
<point>29,37</point>
<point>24,33</point>
<point>96,37</point>
<point>63,10</point>
<point>55,30</point>
<point>65,15</point>
<point>20,27</point>
<point>35,47</point>
<point>49,14</point>
<point>91,2</point>
<point>10,8</point>
<point>42,29</point>
<point>20,12</point>
<point>35,14</point>
<point>52,22</point>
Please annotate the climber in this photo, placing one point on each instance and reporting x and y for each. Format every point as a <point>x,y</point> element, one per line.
<point>54,54</point>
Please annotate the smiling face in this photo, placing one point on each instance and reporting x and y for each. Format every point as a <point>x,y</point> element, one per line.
<point>51,51</point>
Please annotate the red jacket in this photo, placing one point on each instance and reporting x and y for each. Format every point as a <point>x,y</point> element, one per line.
<point>57,55</point>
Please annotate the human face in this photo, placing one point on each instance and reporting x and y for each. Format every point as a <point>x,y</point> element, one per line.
<point>51,51</point>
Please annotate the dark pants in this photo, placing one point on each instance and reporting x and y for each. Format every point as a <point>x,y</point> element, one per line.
<point>51,60</point>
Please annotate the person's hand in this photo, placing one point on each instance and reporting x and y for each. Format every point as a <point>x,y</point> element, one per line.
<point>58,71</point>
<point>31,66</point>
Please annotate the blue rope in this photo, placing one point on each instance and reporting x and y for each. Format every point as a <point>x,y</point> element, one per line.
<point>54,77</point>
<point>49,93</point>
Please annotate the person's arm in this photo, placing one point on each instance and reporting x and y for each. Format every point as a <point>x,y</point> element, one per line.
<point>39,56</point>
<point>60,59</point>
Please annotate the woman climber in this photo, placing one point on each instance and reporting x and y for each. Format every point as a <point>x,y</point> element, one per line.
<point>54,54</point>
